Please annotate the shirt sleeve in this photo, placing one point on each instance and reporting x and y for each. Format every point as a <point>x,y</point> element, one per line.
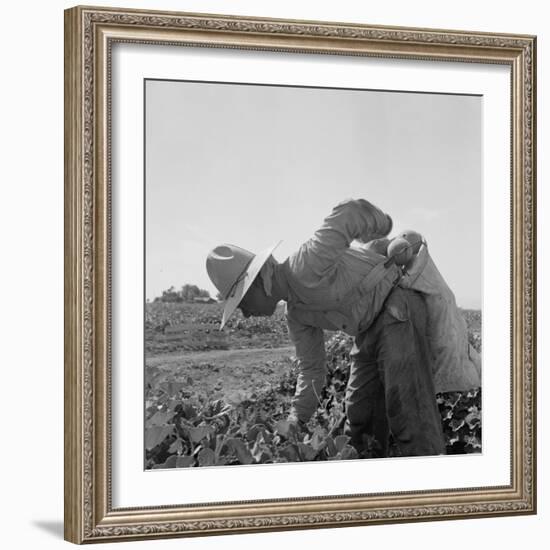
<point>350,220</point>
<point>310,353</point>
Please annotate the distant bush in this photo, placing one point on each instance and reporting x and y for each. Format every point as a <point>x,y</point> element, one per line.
<point>188,293</point>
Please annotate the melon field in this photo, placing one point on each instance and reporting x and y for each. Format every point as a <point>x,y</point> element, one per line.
<point>221,398</point>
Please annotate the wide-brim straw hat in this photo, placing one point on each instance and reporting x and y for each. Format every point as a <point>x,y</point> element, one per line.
<point>232,270</point>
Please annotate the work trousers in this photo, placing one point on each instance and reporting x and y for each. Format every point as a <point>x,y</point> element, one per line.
<point>391,386</point>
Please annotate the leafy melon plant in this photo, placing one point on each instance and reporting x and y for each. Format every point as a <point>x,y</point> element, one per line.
<point>186,428</point>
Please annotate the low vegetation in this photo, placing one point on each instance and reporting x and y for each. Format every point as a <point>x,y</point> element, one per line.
<point>238,417</point>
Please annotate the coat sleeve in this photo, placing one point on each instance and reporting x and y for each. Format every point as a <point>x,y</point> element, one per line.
<point>350,220</point>
<point>310,353</point>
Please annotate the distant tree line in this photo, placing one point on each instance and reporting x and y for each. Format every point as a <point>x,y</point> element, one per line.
<point>187,293</point>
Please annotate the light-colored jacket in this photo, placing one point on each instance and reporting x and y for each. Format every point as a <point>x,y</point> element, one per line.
<point>457,365</point>
<point>335,286</point>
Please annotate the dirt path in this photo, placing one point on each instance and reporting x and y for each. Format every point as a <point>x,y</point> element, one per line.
<point>220,356</point>
<point>227,374</point>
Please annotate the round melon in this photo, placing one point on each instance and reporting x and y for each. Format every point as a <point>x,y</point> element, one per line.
<point>400,250</point>
<point>413,238</point>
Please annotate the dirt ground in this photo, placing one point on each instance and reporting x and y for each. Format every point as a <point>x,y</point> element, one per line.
<point>233,375</point>
<point>185,347</point>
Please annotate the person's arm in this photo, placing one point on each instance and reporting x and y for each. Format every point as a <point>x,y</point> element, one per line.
<point>350,220</point>
<point>310,353</point>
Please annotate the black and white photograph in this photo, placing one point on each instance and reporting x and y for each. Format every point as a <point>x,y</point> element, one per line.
<point>313,274</point>
<point>300,273</point>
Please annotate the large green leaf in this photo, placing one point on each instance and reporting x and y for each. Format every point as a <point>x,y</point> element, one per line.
<point>290,453</point>
<point>348,452</point>
<point>340,442</point>
<point>171,462</point>
<point>155,435</point>
<point>176,447</point>
<point>331,450</point>
<point>184,461</point>
<point>198,433</point>
<point>317,440</point>
<point>283,427</point>
<point>159,419</point>
<point>307,452</point>
<point>207,457</point>
<point>238,446</point>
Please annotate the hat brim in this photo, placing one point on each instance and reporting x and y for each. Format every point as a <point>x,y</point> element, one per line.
<point>246,281</point>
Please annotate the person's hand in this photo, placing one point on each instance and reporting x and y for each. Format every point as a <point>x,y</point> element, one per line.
<point>379,246</point>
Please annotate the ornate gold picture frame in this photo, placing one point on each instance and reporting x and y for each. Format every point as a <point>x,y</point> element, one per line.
<point>90,35</point>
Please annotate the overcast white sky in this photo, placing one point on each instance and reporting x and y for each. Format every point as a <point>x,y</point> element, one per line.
<point>252,165</point>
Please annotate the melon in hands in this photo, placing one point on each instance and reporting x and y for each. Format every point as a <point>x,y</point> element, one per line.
<point>400,250</point>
